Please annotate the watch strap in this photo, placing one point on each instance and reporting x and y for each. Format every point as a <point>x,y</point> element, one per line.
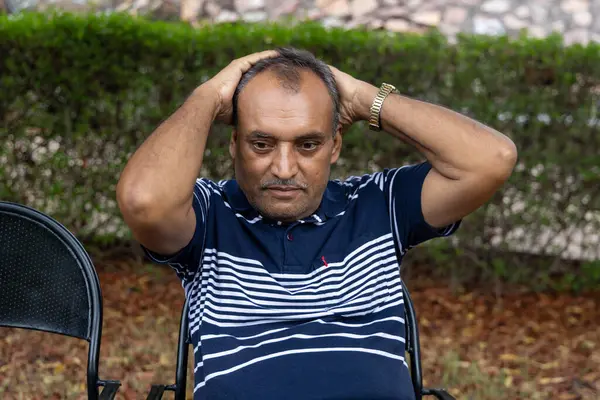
<point>375,111</point>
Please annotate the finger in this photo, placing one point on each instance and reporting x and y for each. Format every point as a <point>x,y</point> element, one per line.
<point>262,54</point>
<point>249,60</point>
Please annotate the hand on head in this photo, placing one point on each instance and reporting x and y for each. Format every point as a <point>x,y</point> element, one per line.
<point>225,82</point>
<point>350,105</point>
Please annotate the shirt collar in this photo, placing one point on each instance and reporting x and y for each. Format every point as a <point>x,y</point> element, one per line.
<point>333,202</point>
<point>236,197</point>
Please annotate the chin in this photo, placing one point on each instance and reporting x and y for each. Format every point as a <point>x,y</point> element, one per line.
<point>282,213</point>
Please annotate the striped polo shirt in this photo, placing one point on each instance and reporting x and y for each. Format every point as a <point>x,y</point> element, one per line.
<point>312,309</point>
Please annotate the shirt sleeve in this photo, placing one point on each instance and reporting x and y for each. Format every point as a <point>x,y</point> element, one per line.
<point>403,187</point>
<point>186,262</point>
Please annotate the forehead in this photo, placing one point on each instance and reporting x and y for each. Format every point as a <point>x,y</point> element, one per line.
<point>267,105</point>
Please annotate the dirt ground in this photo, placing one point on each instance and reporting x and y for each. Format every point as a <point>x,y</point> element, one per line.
<point>522,346</point>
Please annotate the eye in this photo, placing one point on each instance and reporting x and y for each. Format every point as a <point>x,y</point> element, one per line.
<point>260,145</point>
<point>308,146</point>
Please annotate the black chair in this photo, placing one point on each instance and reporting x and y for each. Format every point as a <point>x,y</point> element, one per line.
<point>413,349</point>
<point>157,391</point>
<point>48,283</point>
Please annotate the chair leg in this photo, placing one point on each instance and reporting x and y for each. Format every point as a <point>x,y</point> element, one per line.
<point>156,393</point>
<point>439,394</point>
<point>110,389</point>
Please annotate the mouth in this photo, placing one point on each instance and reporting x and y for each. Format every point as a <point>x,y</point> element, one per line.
<point>283,192</point>
<point>283,188</point>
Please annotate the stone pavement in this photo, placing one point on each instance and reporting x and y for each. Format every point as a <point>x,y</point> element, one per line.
<point>577,20</point>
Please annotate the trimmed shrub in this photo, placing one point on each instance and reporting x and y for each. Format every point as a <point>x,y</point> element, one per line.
<point>80,93</point>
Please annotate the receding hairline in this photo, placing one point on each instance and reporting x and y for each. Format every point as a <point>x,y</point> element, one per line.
<point>287,91</point>
<point>290,78</point>
<point>288,67</point>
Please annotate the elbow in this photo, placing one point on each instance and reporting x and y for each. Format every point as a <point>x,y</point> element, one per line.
<point>143,207</point>
<point>503,162</point>
<point>508,156</point>
<point>136,204</point>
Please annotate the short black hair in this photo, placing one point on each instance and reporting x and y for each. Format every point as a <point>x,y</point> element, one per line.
<point>287,66</point>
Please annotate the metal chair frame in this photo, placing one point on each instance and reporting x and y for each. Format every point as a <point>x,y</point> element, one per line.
<point>94,330</point>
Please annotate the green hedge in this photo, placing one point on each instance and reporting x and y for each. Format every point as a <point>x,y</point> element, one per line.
<point>79,94</point>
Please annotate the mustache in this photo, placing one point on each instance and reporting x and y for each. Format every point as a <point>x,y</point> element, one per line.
<point>283,182</point>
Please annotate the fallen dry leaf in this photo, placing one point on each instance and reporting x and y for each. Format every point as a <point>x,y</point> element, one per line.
<point>552,381</point>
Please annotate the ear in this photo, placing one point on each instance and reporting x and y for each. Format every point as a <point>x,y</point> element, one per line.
<point>232,143</point>
<point>337,145</point>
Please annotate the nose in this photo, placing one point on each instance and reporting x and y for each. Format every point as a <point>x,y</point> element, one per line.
<point>285,164</point>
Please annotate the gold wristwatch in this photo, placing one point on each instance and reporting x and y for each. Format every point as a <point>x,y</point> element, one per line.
<point>375,116</point>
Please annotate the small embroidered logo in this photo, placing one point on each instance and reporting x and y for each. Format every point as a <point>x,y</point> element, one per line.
<point>324,262</point>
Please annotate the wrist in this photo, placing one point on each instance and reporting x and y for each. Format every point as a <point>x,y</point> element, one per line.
<point>209,98</point>
<point>364,99</point>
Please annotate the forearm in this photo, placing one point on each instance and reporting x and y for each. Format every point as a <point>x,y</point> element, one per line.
<point>159,178</point>
<point>457,146</point>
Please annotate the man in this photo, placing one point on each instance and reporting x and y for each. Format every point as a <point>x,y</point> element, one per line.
<point>293,279</point>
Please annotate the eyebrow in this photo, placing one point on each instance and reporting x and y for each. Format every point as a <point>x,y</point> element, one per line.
<point>256,134</point>
<point>260,135</point>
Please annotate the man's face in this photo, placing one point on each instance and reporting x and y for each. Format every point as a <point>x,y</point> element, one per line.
<point>284,145</point>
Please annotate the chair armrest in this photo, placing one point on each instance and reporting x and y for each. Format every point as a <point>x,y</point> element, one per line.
<point>110,389</point>
<point>439,394</point>
<point>156,392</point>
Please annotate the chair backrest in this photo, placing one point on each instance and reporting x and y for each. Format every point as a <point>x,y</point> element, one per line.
<point>47,281</point>
<point>182,354</point>
<point>413,346</point>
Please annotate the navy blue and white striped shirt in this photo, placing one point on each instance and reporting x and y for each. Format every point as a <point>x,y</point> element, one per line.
<point>308,310</point>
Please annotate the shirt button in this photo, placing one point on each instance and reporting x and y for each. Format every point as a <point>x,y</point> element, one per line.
<point>290,237</point>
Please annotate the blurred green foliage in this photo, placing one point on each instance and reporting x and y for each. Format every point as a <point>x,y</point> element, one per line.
<point>80,93</point>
